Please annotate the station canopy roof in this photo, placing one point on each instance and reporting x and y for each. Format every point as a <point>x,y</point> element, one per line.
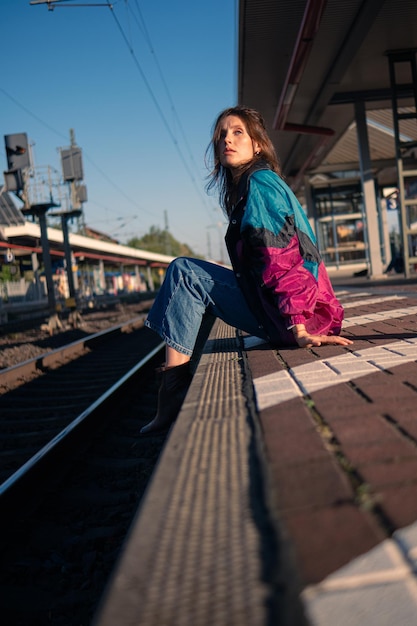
<point>24,237</point>
<point>10,215</point>
<point>302,64</point>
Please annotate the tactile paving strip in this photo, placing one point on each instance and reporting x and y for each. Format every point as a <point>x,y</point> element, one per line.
<point>193,557</point>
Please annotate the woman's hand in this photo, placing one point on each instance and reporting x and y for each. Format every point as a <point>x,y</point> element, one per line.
<point>305,340</point>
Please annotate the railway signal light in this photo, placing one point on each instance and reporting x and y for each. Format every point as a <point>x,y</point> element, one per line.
<point>17,151</point>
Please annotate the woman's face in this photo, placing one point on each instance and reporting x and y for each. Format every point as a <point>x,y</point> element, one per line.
<point>235,147</point>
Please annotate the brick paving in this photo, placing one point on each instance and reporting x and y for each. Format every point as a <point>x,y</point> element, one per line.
<point>337,430</point>
<point>340,432</point>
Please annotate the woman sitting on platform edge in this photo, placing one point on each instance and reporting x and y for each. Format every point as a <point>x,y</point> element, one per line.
<point>278,290</point>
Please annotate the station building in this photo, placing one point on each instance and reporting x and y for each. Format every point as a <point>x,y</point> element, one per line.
<point>100,267</point>
<point>336,83</point>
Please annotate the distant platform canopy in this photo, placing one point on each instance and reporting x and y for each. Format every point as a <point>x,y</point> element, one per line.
<point>10,215</point>
<point>23,237</point>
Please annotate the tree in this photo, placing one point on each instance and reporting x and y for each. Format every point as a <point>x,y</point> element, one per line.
<point>162,242</point>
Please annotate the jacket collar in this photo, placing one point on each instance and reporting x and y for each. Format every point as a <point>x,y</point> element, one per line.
<point>243,184</point>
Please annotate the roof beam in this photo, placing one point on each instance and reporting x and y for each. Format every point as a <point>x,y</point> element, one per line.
<point>351,166</point>
<point>371,95</point>
<point>304,43</point>
<point>364,19</point>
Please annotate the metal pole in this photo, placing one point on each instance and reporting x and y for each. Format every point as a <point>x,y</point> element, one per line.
<point>46,258</point>
<point>68,259</point>
<point>150,279</point>
<point>369,195</point>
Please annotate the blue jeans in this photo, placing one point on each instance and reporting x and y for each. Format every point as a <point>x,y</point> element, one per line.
<point>190,288</point>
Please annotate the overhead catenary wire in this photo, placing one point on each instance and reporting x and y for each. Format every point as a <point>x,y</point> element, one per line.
<point>155,100</point>
<point>153,97</point>
<point>53,4</point>
<point>62,135</point>
<point>164,83</point>
<point>174,127</point>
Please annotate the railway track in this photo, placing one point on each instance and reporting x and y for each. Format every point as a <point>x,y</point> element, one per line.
<point>73,470</point>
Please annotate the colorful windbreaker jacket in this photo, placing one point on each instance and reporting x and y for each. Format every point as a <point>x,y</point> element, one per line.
<point>275,258</point>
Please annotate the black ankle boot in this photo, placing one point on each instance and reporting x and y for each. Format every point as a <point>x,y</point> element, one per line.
<point>171,394</point>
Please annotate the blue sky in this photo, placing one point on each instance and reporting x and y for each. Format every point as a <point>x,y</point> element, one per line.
<point>141,86</point>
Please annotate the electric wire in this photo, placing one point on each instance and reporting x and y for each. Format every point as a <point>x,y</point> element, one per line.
<point>60,134</point>
<point>151,47</point>
<point>153,98</point>
<point>143,28</point>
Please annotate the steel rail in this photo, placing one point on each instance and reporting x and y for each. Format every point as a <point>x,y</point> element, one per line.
<point>19,492</point>
<point>38,364</point>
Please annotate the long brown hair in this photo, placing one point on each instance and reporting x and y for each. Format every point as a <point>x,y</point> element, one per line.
<point>220,176</point>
